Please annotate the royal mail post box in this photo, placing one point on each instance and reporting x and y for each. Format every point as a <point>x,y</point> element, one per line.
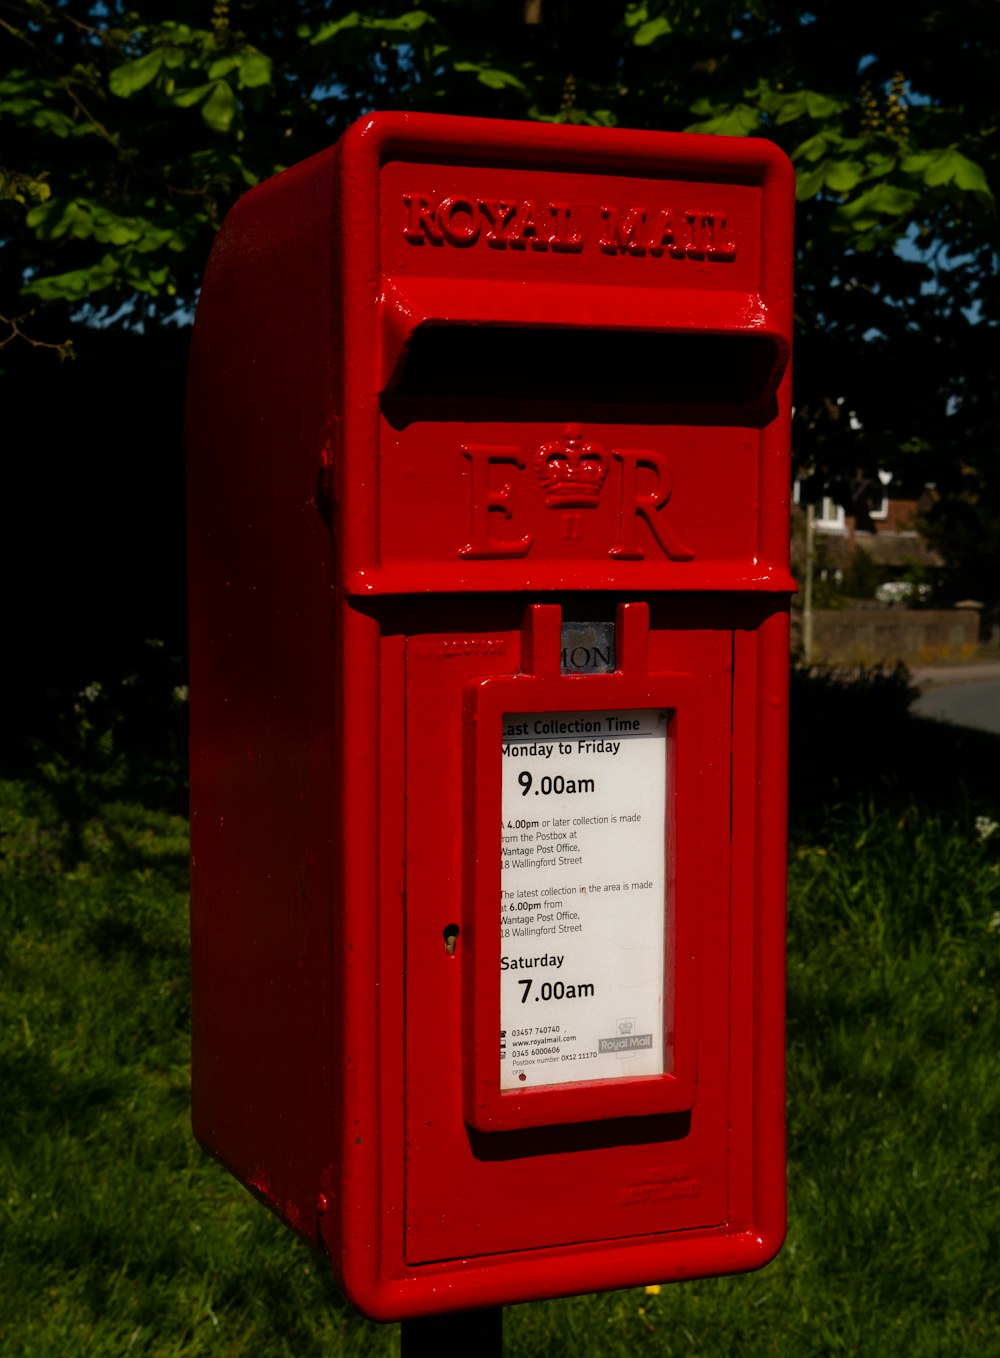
<point>489,587</point>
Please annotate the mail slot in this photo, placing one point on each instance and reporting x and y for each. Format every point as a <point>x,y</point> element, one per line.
<point>488,489</point>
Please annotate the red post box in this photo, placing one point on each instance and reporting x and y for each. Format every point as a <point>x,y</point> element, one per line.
<point>488,435</point>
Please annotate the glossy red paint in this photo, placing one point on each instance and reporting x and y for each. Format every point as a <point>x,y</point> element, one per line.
<point>453,383</point>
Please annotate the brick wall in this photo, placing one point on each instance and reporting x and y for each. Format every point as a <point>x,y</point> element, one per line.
<point>869,636</point>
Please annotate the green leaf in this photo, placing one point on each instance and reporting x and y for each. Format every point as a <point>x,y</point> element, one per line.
<point>17,187</point>
<point>488,75</point>
<point>135,75</point>
<point>738,121</point>
<point>578,117</point>
<point>943,168</point>
<point>60,217</point>
<point>116,233</point>
<point>894,200</point>
<point>809,182</point>
<point>83,218</point>
<point>194,94</point>
<point>222,66</point>
<point>404,23</point>
<point>815,148</point>
<point>255,69</point>
<point>864,212</point>
<point>969,175</point>
<point>74,286</point>
<point>949,167</point>
<point>221,107</point>
<point>823,105</point>
<point>52,120</point>
<point>786,108</point>
<point>879,163</point>
<point>245,173</point>
<point>499,80</point>
<point>178,32</point>
<point>330,30</point>
<point>843,175</point>
<point>865,244</point>
<point>648,32</point>
<point>917,163</point>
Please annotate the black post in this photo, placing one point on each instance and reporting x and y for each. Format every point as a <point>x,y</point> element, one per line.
<point>478,1334</point>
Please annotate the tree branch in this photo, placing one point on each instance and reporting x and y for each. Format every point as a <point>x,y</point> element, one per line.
<point>64,350</point>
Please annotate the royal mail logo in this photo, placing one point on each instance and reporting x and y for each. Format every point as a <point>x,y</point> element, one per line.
<point>659,231</point>
<point>625,1043</point>
<point>515,224</point>
<point>570,471</point>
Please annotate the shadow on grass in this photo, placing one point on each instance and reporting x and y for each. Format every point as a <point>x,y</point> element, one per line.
<point>853,736</point>
<point>119,739</point>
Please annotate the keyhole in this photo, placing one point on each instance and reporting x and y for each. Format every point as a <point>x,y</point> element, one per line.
<point>450,933</point>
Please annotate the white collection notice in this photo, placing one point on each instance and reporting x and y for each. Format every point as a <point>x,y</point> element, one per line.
<point>582,890</point>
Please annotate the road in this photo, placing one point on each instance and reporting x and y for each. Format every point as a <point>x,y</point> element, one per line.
<point>966,695</point>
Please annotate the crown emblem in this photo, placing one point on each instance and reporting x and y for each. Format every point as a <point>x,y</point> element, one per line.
<point>571,470</point>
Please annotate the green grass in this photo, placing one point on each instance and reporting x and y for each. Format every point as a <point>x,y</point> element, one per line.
<point>119,1237</point>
